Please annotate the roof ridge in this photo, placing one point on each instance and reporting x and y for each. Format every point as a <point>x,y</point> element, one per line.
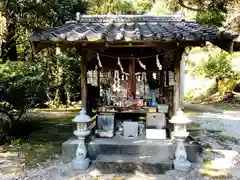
<point>101,18</point>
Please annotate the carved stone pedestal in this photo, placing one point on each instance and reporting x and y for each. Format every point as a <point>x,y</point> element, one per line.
<point>81,162</point>
<point>180,162</point>
<point>180,134</point>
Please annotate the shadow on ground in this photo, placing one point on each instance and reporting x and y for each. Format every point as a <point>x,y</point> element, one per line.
<point>44,144</point>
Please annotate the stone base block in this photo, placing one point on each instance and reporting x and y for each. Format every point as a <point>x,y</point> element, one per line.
<point>130,164</point>
<point>184,166</point>
<point>163,149</point>
<point>80,164</point>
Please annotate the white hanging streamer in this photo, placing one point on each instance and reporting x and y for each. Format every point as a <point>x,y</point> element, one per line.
<point>89,77</point>
<point>144,76</point>
<point>158,63</point>
<point>95,78</point>
<point>116,84</point>
<point>138,73</point>
<point>141,64</point>
<point>154,76</point>
<point>121,68</point>
<point>139,78</point>
<point>99,61</point>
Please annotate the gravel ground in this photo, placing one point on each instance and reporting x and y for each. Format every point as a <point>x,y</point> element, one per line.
<point>224,155</point>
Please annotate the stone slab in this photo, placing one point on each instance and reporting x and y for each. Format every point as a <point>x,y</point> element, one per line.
<point>163,149</point>
<point>130,164</point>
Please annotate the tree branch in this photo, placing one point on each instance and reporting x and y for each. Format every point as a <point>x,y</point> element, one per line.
<point>181,3</point>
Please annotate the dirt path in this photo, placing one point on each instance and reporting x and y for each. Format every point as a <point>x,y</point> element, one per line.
<point>214,108</point>
<point>219,132</point>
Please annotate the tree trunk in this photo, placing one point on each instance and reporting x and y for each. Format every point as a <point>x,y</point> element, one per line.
<point>68,94</point>
<point>217,84</point>
<point>57,99</point>
<point>8,47</point>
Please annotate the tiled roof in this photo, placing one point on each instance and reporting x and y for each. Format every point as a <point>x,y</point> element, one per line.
<point>129,28</point>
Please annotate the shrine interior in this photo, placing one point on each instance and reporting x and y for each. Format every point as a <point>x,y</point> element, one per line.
<point>118,82</point>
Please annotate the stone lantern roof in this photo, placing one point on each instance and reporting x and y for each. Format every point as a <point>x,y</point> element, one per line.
<point>82,117</point>
<point>180,118</point>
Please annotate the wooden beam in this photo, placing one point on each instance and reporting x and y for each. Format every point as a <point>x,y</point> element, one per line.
<point>98,45</point>
<point>177,55</point>
<point>225,44</point>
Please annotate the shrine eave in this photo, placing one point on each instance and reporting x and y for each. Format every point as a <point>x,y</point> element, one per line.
<point>236,46</point>
<point>132,29</point>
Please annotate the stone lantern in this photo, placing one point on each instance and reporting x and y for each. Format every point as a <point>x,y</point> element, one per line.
<point>81,162</point>
<point>180,134</point>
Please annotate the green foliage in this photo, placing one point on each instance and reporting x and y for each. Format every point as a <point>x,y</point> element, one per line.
<point>228,85</point>
<point>11,69</point>
<point>189,95</point>
<point>211,13</point>
<point>212,17</point>
<point>119,6</point>
<point>217,66</point>
<point>20,85</point>
<point>33,14</point>
<point>23,17</point>
<point>70,63</point>
<point>142,6</point>
<point>55,72</point>
<point>159,8</point>
<point>212,89</point>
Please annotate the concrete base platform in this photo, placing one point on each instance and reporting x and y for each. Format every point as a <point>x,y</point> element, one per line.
<point>130,164</point>
<point>164,150</point>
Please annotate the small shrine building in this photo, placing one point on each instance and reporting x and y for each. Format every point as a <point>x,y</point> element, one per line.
<point>127,50</point>
<point>132,44</point>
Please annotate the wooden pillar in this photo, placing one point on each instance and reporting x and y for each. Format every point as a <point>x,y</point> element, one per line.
<point>158,74</point>
<point>167,77</point>
<point>177,56</point>
<point>167,94</point>
<point>98,77</point>
<point>84,95</point>
<point>182,81</point>
<point>162,80</point>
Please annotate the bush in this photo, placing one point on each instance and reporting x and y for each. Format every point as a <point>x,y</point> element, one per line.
<point>227,85</point>
<point>212,90</point>
<point>20,89</point>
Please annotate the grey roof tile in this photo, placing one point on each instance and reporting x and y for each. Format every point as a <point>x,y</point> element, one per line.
<point>129,28</point>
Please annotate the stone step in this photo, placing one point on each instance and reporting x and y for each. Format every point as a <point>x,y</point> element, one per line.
<point>163,149</point>
<point>130,164</point>
<point>141,147</point>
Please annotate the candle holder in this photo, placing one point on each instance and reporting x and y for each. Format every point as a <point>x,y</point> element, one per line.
<point>180,134</point>
<point>81,162</point>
